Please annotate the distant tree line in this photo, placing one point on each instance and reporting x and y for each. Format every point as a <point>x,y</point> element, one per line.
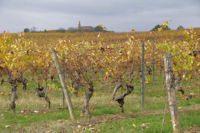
<point>98,28</point>
<point>155,28</point>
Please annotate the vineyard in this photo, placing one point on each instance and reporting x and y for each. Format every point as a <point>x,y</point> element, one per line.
<point>92,82</point>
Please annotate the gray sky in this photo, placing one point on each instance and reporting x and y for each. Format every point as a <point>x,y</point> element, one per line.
<point>117,15</point>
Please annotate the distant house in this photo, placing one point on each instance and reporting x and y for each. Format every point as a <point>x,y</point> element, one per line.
<point>84,28</point>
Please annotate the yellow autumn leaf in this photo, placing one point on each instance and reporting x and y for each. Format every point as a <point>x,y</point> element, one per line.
<point>101,25</point>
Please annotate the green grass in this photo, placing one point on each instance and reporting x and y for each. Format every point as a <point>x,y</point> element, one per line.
<point>21,120</point>
<point>149,124</point>
<point>196,101</point>
<point>155,99</point>
<point>105,110</point>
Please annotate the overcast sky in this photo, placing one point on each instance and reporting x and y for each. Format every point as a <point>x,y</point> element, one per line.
<point>117,15</point>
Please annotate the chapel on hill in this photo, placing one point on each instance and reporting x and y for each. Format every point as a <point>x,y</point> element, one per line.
<point>84,28</point>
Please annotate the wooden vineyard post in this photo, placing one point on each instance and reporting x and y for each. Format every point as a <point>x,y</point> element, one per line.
<point>143,75</point>
<point>170,85</point>
<point>153,64</point>
<point>63,99</point>
<point>62,80</point>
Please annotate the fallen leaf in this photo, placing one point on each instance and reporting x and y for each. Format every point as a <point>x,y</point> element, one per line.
<point>50,131</point>
<point>92,109</point>
<point>110,119</point>
<point>179,108</point>
<point>147,127</point>
<point>22,111</point>
<point>35,111</point>
<point>169,120</point>
<point>92,129</point>
<point>91,125</point>
<point>44,112</point>
<point>134,125</point>
<point>7,126</point>
<point>143,125</point>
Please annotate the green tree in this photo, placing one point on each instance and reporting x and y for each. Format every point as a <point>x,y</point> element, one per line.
<point>98,28</point>
<point>159,26</point>
<point>26,30</point>
<point>180,27</point>
<point>62,30</point>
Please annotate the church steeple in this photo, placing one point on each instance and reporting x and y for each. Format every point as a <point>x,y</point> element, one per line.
<point>79,25</point>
